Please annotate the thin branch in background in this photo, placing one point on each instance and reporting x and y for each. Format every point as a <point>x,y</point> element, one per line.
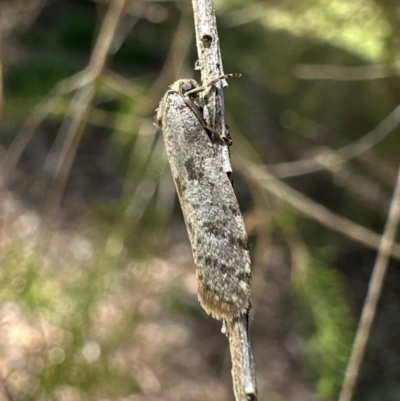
<point>104,45</point>
<point>85,77</point>
<point>373,295</point>
<point>342,73</point>
<point>82,103</point>
<point>38,115</point>
<point>73,126</point>
<point>333,160</point>
<point>25,134</point>
<point>261,177</point>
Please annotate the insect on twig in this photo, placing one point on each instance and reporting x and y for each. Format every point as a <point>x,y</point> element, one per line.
<point>213,221</point>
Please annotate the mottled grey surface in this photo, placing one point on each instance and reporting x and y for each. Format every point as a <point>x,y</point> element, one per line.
<point>210,208</point>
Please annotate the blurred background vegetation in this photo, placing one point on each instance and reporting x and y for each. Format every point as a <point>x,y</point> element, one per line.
<point>97,283</point>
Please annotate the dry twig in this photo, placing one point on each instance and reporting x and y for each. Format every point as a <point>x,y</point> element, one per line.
<point>210,66</point>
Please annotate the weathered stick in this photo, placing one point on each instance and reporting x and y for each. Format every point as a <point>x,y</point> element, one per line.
<point>210,66</point>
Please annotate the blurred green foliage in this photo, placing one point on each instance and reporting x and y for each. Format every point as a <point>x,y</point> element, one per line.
<point>74,345</point>
<point>358,27</point>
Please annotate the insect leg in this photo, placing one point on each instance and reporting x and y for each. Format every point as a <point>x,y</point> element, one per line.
<point>214,81</point>
<point>196,111</point>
